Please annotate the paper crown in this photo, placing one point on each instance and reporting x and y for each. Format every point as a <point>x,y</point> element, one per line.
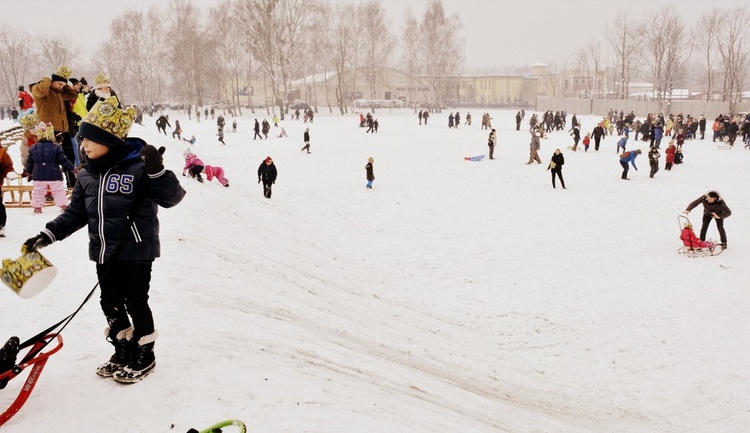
<point>28,121</point>
<point>45,132</point>
<point>101,80</point>
<point>106,124</point>
<point>62,74</point>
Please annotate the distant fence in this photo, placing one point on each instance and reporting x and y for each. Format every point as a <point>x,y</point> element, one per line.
<point>640,108</point>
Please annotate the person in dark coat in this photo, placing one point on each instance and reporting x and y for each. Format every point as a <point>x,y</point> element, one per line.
<point>43,165</point>
<point>518,121</point>
<point>598,133</point>
<point>653,160</point>
<point>714,208</point>
<point>161,124</point>
<point>267,174</point>
<point>256,129</point>
<point>555,166</point>
<point>306,139</point>
<point>450,120</point>
<point>117,195</point>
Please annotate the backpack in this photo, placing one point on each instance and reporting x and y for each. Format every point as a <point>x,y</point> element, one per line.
<point>625,155</point>
<point>678,158</point>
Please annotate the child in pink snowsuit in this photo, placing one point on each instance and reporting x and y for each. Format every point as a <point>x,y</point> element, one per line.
<point>193,165</point>
<point>217,172</point>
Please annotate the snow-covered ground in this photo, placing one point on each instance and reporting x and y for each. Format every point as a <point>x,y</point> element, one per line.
<point>454,296</point>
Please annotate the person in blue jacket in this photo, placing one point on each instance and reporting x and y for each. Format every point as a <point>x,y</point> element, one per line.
<point>628,157</point>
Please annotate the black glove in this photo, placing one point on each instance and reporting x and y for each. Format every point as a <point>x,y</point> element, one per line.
<point>153,158</point>
<point>32,244</point>
<point>258,180</point>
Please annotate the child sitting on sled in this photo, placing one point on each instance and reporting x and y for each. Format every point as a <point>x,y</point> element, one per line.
<point>690,240</point>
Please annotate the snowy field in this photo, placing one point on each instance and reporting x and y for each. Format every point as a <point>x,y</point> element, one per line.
<point>454,296</point>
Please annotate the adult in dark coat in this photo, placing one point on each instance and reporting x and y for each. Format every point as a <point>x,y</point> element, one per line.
<point>267,174</point>
<point>598,134</point>
<point>555,166</point>
<point>714,208</point>
<point>256,129</point>
<point>161,124</point>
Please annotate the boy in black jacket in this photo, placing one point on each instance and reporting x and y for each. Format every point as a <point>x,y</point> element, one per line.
<point>117,195</point>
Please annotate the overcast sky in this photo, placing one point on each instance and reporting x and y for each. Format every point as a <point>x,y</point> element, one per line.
<point>496,32</point>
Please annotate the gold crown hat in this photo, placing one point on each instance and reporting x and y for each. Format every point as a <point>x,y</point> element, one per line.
<point>101,80</point>
<point>45,132</point>
<point>106,124</point>
<point>28,121</point>
<point>62,74</point>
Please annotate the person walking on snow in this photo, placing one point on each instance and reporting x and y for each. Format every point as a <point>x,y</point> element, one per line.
<point>534,146</point>
<point>555,166</point>
<point>370,174</point>
<point>267,174</point>
<point>306,139</point>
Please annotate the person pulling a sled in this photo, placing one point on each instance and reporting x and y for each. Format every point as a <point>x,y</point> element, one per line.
<point>714,208</point>
<point>117,195</point>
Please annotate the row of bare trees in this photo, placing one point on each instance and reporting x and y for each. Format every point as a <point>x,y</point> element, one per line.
<point>667,50</point>
<point>182,53</point>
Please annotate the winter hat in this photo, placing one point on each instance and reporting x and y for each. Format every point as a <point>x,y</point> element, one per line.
<point>28,121</point>
<point>61,74</point>
<point>20,88</point>
<point>84,82</point>
<point>101,80</point>
<point>268,159</point>
<point>45,132</point>
<point>73,81</point>
<point>106,124</point>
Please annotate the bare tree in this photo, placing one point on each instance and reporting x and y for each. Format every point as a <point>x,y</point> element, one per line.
<point>377,43</point>
<point>624,38</point>
<point>667,50</point>
<point>583,68</point>
<point>190,51</point>
<point>734,52</point>
<point>133,55</point>
<point>15,52</point>
<point>411,49</point>
<point>343,34</point>
<point>707,38</point>
<point>274,34</point>
<point>56,51</point>
<point>230,51</point>
<point>442,52</point>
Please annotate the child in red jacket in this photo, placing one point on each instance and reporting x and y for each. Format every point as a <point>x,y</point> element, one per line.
<point>586,142</point>
<point>690,240</point>
<point>671,149</point>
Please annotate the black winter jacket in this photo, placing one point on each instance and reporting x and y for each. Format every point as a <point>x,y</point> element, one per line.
<point>719,207</point>
<point>106,202</point>
<point>267,172</point>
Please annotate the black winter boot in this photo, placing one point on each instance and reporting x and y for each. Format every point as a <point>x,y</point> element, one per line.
<point>142,362</point>
<point>123,352</point>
